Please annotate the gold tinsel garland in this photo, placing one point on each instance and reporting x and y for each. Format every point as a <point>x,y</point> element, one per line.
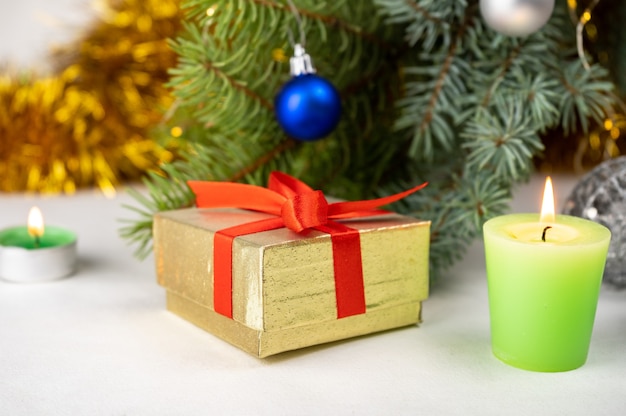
<point>89,122</point>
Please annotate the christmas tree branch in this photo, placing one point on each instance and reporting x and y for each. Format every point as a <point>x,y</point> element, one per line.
<point>432,102</point>
<point>240,87</point>
<point>586,95</point>
<point>506,65</point>
<point>430,110</point>
<point>263,160</point>
<point>330,21</point>
<point>428,93</point>
<point>421,10</point>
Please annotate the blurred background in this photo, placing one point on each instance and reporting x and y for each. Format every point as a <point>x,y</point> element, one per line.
<point>29,29</point>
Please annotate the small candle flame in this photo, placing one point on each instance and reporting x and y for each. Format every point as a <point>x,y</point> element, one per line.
<point>35,222</point>
<point>547,206</point>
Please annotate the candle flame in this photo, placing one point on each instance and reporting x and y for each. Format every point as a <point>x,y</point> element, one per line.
<point>547,205</point>
<point>35,222</point>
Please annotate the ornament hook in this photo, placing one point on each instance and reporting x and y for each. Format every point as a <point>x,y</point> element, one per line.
<point>300,63</point>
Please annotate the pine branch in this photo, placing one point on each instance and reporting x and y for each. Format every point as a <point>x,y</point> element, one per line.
<point>506,65</point>
<point>332,22</point>
<point>585,95</point>
<point>240,87</point>
<point>263,160</point>
<point>503,145</point>
<point>428,93</point>
<point>422,11</point>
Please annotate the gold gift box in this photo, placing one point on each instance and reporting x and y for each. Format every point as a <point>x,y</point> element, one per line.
<point>283,288</point>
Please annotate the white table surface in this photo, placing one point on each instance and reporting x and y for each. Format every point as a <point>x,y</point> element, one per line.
<point>102,343</point>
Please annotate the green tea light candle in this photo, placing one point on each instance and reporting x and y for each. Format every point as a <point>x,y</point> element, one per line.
<point>35,253</point>
<point>544,274</point>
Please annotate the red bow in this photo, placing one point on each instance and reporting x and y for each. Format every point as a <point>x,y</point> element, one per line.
<point>297,207</point>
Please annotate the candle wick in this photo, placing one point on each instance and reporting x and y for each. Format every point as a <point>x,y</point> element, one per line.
<point>37,242</point>
<point>543,235</point>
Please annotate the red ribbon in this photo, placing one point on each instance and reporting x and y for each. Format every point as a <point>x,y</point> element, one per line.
<point>298,207</point>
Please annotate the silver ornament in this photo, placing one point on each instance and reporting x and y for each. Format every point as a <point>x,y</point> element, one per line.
<point>516,17</point>
<point>600,196</point>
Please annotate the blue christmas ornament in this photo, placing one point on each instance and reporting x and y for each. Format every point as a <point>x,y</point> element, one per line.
<point>307,107</point>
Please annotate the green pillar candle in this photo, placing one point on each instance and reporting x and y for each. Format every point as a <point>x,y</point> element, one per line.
<point>543,294</point>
